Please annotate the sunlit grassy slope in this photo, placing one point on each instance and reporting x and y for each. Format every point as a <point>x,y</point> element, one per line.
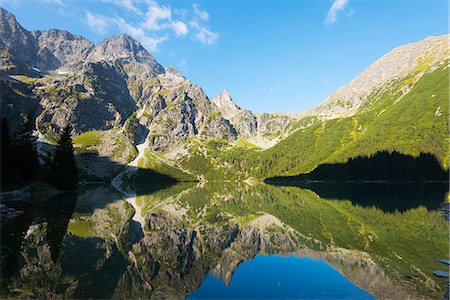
<point>410,116</point>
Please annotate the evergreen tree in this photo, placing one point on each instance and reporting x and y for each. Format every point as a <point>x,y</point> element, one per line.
<point>5,150</point>
<point>63,172</point>
<point>28,163</point>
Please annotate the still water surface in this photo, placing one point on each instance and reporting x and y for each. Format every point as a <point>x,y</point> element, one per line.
<point>278,277</point>
<point>353,241</point>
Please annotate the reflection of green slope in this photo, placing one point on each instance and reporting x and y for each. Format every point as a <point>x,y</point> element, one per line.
<point>100,212</point>
<point>400,243</point>
<point>148,201</point>
<point>196,229</point>
<point>404,243</point>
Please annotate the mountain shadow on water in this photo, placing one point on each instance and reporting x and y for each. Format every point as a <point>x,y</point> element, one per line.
<point>382,166</point>
<point>387,196</point>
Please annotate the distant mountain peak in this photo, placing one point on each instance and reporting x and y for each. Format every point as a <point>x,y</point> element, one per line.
<point>226,105</point>
<point>413,58</point>
<point>17,39</point>
<point>4,14</point>
<point>172,70</point>
<point>118,46</point>
<point>123,46</point>
<point>58,48</point>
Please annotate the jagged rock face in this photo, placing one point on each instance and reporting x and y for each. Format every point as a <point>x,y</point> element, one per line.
<point>226,105</point>
<point>172,78</point>
<point>14,37</point>
<point>10,65</point>
<point>173,115</point>
<point>99,87</point>
<point>130,54</point>
<point>397,64</point>
<point>260,128</point>
<point>58,48</point>
<point>244,121</point>
<point>16,99</point>
<point>95,98</point>
<point>272,123</point>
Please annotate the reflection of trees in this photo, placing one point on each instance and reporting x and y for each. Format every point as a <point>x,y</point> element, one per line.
<point>40,277</point>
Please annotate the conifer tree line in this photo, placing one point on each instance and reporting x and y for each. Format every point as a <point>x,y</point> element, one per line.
<point>19,161</point>
<point>382,165</point>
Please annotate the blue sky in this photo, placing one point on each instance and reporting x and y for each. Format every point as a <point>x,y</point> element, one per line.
<point>280,55</point>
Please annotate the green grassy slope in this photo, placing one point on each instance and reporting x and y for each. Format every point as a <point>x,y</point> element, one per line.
<point>411,123</point>
<point>151,167</point>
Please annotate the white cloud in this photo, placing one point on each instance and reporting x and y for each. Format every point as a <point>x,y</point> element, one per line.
<point>57,2</point>
<point>181,12</point>
<point>155,16</point>
<point>129,29</point>
<point>206,36</point>
<point>202,14</point>
<point>152,23</point>
<point>151,43</point>
<point>180,28</point>
<point>159,17</point>
<point>203,34</point>
<point>336,7</point>
<point>98,23</point>
<point>127,4</point>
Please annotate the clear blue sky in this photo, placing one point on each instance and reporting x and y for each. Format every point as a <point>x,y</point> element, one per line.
<point>272,56</point>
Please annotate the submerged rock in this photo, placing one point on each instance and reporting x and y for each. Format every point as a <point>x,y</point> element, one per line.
<point>445,209</point>
<point>7,214</point>
<point>445,261</point>
<point>441,274</point>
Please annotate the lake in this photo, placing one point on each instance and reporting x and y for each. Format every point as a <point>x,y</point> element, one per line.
<point>229,240</point>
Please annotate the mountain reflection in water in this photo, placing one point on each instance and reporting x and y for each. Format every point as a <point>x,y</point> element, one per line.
<point>278,277</point>
<point>86,245</point>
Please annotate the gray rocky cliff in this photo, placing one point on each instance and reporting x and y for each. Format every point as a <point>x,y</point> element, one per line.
<point>58,48</point>
<point>129,54</point>
<point>16,39</point>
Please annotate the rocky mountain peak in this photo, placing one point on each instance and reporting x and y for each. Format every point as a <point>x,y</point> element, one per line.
<point>16,39</point>
<point>7,17</point>
<point>172,78</point>
<point>126,49</point>
<point>414,58</point>
<point>226,105</point>
<point>59,47</point>
<point>173,71</point>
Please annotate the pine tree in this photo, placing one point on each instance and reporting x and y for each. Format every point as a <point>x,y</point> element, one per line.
<point>63,172</point>
<point>5,150</point>
<point>28,163</point>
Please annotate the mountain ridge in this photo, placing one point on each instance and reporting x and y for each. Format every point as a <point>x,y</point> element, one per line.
<point>117,86</point>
